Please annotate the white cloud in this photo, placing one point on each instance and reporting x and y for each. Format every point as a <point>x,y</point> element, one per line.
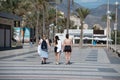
<point>85,1</point>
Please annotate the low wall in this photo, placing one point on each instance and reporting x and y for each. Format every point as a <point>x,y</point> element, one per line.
<point>117,49</point>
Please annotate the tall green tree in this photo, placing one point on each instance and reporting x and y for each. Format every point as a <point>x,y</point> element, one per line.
<point>10,6</point>
<point>82,14</point>
<point>22,7</point>
<point>39,7</point>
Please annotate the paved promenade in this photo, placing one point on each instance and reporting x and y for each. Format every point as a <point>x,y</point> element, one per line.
<point>88,63</point>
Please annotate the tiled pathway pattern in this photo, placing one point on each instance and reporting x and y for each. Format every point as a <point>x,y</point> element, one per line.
<point>86,64</point>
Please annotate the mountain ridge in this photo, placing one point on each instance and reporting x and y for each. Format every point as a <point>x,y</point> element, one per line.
<point>95,16</point>
<point>98,13</point>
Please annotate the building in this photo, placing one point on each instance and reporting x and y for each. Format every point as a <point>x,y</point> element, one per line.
<point>89,36</point>
<point>75,34</point>
<point>7,22</point>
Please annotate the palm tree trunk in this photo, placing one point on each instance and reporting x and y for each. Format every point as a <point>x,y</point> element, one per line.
<point>81,35</point>
<point>43,20</point>
<point>68,17</point>
<point>36,29</point>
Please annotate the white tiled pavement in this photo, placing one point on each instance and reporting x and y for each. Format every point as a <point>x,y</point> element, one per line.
<point>86,64</point>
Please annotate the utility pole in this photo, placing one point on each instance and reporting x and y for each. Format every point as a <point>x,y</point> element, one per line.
<point>108,24</point>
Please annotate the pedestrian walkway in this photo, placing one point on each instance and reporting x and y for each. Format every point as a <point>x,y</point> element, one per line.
<point>26,49</point>
<point>86,64</point>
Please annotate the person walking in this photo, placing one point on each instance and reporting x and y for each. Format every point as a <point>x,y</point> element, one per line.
<point>67,44</point>
<point>31,42</point>
<point>57,49</point>
<point>44,45</point>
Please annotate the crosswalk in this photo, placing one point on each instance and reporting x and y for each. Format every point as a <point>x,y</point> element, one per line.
<point>76,71</point>
<point>85,67</point>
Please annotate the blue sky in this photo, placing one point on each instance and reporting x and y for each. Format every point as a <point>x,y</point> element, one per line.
<point>94,3</point>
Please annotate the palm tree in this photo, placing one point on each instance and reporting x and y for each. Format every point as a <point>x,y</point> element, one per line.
<point>22,7</point>
<point>68,15</point>
<point>39,6</point>
<point>10,6</point>
<point>38,9</point>
<point>61,25</point>
<point>51,14</point>
<point>82,14</point>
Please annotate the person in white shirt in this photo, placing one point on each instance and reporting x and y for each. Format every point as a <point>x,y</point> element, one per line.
<point>57,49</point>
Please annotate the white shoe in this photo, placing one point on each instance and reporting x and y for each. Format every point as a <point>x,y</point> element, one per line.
<point>57,63</point>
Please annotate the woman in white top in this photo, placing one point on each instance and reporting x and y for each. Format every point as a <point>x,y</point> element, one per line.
<point>57,48</point>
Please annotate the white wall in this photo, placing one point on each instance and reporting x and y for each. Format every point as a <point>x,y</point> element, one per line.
<point>73,32</point>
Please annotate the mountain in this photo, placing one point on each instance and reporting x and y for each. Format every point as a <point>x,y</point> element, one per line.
<point>95,16</point>
<point>64,6</point>
<point>102,10</point>
<point>97,13</point>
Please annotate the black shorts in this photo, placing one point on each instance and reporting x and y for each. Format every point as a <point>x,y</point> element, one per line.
<point>67,48</point>
<point>55,49</point>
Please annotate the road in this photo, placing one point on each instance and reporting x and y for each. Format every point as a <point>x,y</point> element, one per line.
<point>88,63</point>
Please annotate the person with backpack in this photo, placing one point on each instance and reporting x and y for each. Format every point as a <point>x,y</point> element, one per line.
<point>44,45</point>
<point>57,49</point>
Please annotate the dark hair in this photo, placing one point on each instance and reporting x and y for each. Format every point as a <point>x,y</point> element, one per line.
<point>67,36</point>
<point>56,39</point>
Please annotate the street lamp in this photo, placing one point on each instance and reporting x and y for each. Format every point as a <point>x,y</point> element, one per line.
<point>115,25</point>
<point>52,26</point>
<point>55,3</point>
<point>108,24</point>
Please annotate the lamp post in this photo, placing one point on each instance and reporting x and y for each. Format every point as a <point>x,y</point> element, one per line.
<point>108,24</point>
<point>52,26</point>
<point>115,26</point>
<point>109,30</point>
<point>55,2</point>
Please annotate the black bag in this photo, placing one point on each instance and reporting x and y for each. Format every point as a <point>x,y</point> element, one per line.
<point>44,45</point>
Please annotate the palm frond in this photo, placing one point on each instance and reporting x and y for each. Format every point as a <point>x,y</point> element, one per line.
<point>82,13</point>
